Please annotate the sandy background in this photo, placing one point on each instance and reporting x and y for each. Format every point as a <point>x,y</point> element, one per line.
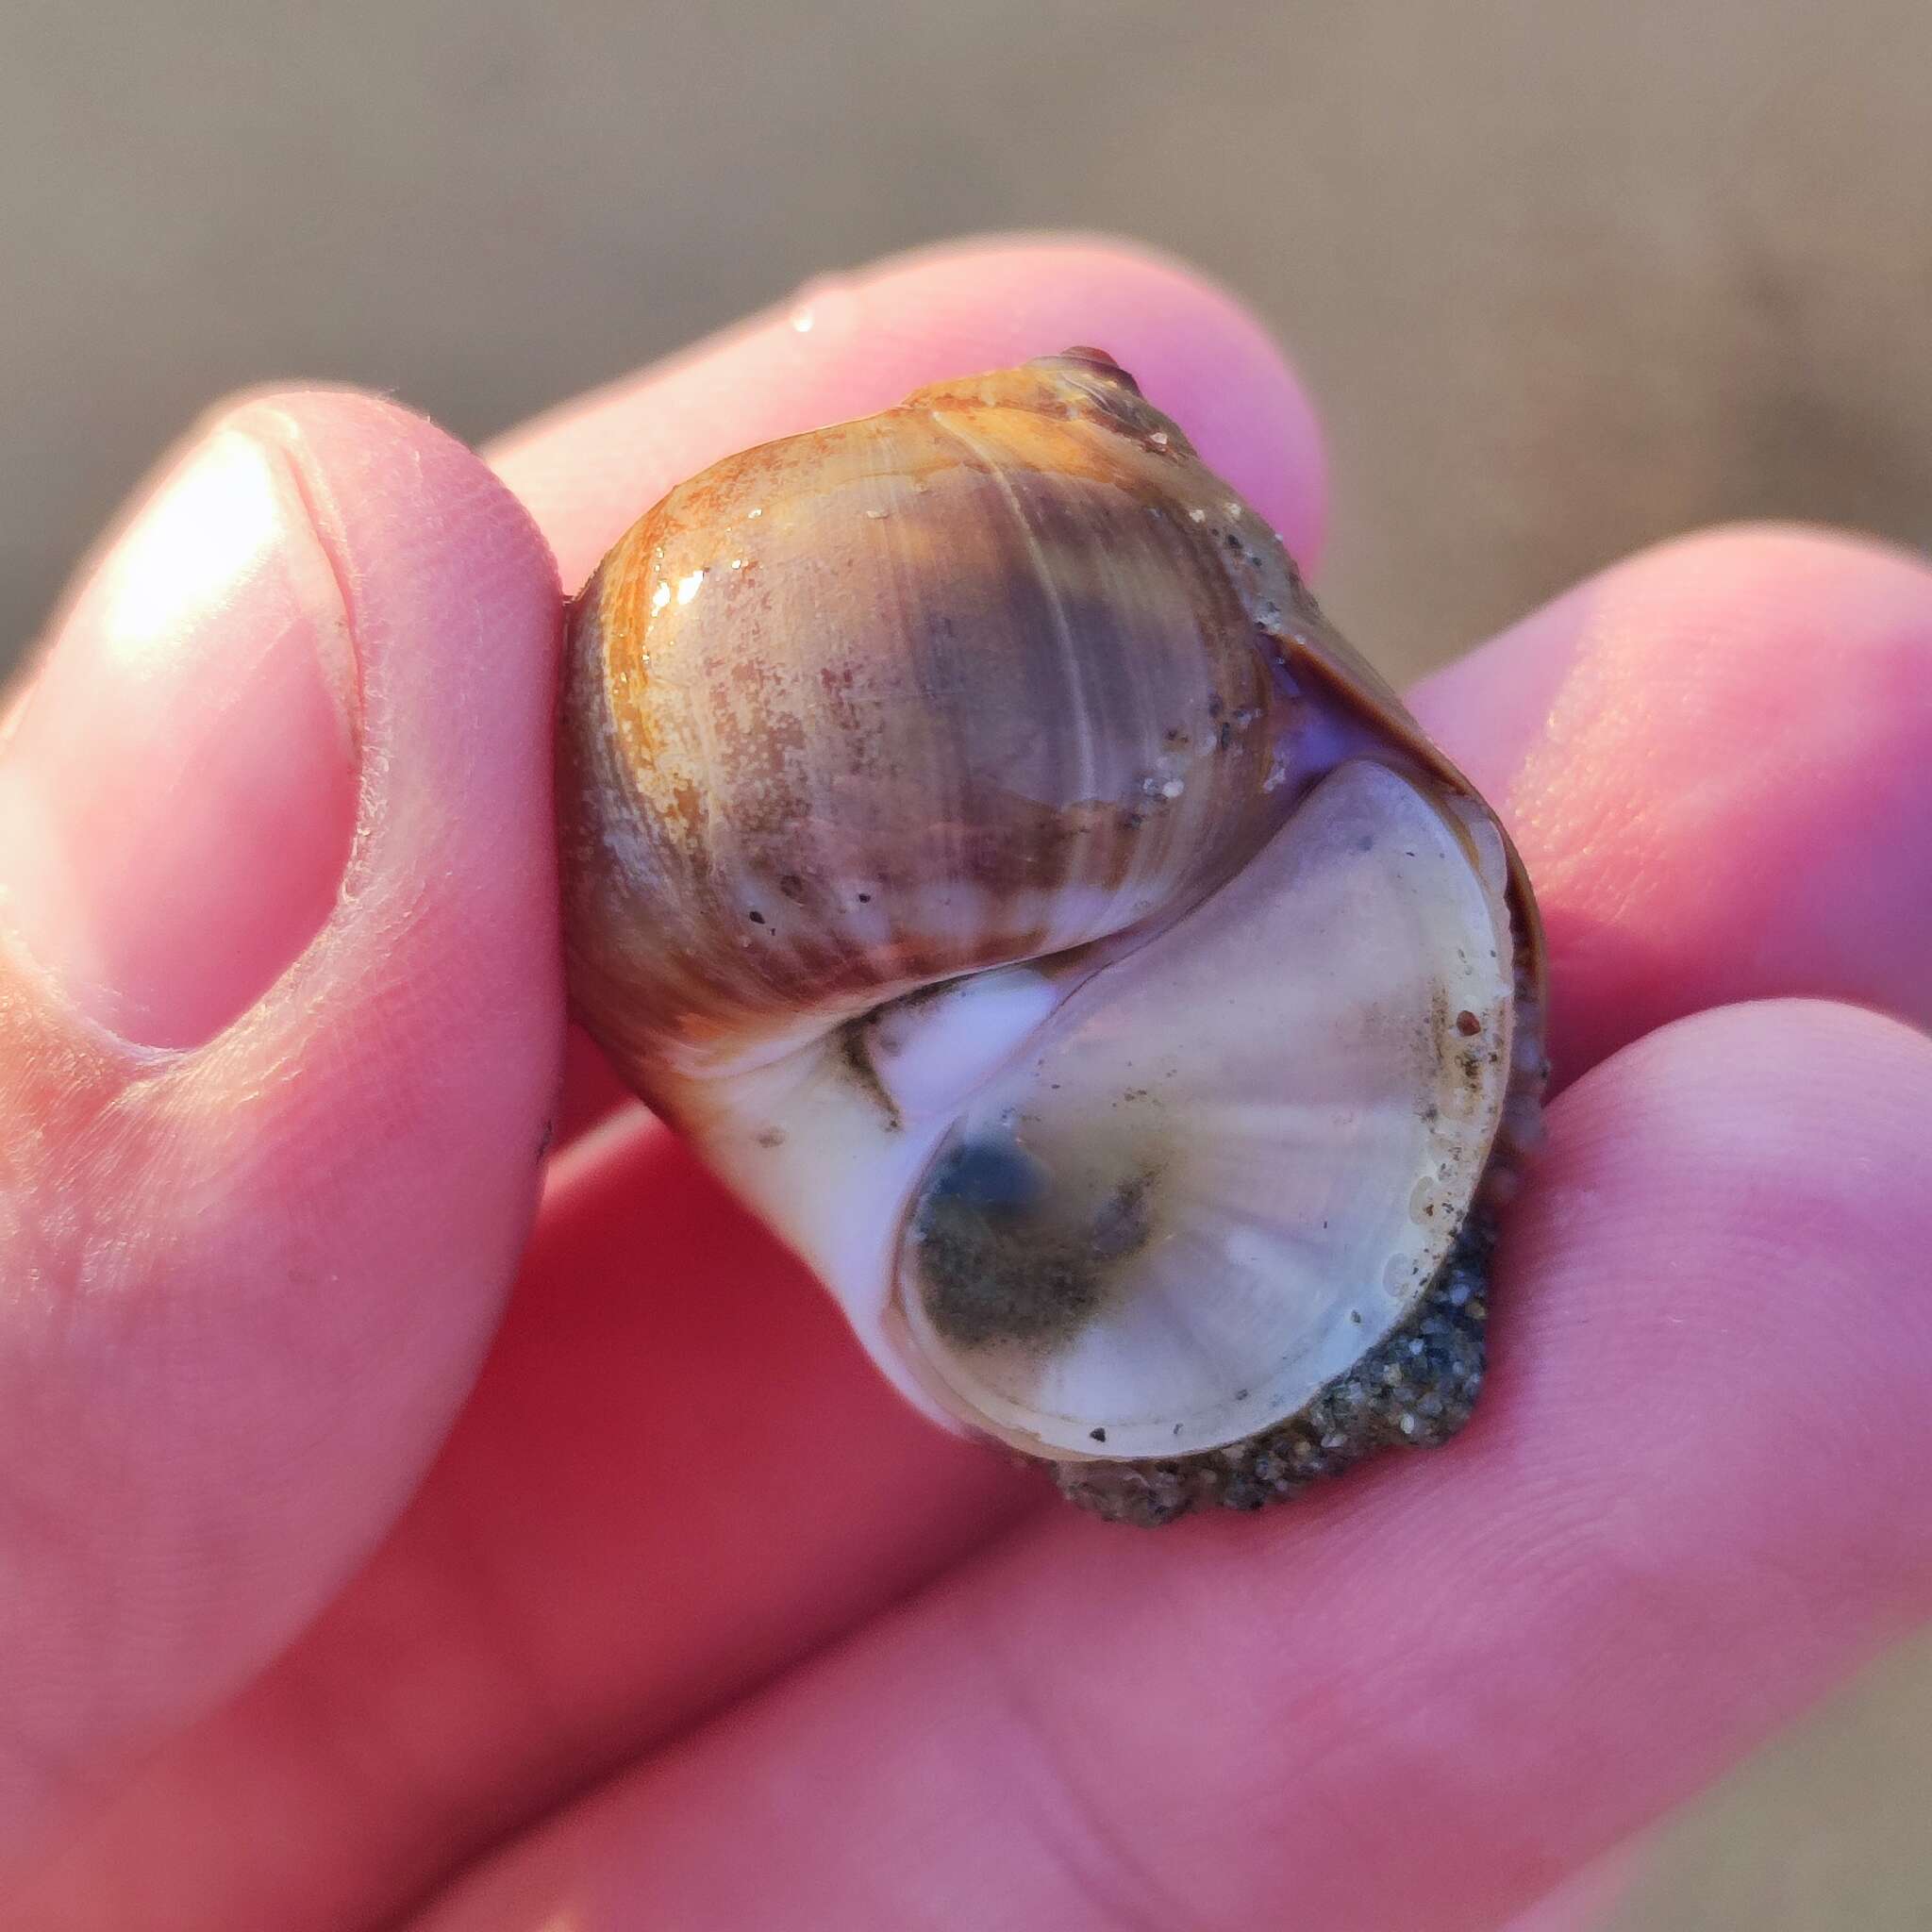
<point>1564,277</point>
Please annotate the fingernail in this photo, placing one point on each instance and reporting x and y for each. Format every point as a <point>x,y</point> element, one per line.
<point>178,793</point>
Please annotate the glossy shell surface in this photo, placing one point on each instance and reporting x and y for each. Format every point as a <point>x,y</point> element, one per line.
<point>977,841</point>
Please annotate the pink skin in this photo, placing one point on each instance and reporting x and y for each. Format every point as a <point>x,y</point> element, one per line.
<point>248,1284</point>
<point>1692,1498</point>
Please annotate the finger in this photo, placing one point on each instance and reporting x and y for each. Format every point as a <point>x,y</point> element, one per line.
<point>851,345</point>
<point>1695,1495</point>
<point>1584,1902</point>
<point>1717,758</point>
<point>1850,611</point>
<point>848,346</point>
<point>674,1477</point>
<point>280,1018</point>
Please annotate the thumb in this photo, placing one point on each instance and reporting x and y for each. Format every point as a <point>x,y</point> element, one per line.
<point>280,1018</point>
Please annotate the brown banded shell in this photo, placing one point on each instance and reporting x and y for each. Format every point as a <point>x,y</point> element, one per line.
<point>977,843</point>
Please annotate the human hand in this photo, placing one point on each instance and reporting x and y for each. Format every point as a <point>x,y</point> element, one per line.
<point>676,1617</point>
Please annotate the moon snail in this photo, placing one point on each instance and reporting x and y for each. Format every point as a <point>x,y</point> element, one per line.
<point>979,846</point>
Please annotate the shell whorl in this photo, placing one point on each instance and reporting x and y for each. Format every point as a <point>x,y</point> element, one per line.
<point>988,678</point>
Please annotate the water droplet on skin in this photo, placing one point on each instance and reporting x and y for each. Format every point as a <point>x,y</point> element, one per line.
<point>661,596</point>
<point>688,587</point>
<point>823,307</point>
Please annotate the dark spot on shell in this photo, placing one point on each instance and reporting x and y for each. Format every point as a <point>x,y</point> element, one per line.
<point>756,918</point>
<point>1098,1435</point>
<point>1003,1256</point>
<point>865,898</point>
<point>771,1137</point>
<point>1467,1023</point>
<point>793,887</point>
<point>855,1052</point>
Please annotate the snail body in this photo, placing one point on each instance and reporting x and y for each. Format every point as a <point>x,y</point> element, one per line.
<point>977,844</point>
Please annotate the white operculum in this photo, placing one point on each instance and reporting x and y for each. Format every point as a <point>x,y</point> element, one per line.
<point>1233,1161</point>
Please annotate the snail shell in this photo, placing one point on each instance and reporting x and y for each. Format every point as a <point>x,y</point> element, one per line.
<point>978,844</point>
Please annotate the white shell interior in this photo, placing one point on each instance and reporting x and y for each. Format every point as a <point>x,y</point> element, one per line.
<point>1263,1131</point>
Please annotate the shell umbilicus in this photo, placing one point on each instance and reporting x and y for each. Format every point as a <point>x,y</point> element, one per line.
<point>978,844</point>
